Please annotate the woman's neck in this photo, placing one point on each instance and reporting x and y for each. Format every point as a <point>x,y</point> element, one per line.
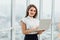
<point>30,16</point>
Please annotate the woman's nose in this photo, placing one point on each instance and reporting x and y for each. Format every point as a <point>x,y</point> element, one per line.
<point>32,12</point>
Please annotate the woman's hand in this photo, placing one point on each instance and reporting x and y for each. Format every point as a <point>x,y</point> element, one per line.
<point>35,28</point>
<point>40,31</point>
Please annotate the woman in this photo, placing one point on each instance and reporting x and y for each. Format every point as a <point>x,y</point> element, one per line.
<point>30,24</point>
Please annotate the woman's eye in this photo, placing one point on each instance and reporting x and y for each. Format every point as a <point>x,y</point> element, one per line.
<point>34,10</point>
<point>31,10</point>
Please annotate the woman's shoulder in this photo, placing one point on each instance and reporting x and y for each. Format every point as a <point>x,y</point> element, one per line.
<point>23,19</point>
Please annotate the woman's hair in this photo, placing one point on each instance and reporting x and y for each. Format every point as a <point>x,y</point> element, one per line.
<point>27,13</point>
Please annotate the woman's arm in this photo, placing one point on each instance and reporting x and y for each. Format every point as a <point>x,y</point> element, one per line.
<point>24,30</point>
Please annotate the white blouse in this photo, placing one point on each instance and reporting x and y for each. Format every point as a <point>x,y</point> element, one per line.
<point>30,22</point>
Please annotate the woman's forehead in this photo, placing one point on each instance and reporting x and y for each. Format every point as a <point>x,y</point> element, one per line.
<point>32,8</point>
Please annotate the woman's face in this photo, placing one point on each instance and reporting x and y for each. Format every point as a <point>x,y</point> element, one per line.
<point>32,11</point>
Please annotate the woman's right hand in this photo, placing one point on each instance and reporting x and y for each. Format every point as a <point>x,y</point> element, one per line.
<point>35,28</point>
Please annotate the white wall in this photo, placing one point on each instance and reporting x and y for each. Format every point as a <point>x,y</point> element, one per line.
<point>5,19</point>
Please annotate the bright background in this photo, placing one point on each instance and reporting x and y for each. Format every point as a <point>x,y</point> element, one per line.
<point>11,11</point>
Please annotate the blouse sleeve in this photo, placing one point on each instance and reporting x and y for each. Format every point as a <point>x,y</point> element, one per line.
<point>23,20</point>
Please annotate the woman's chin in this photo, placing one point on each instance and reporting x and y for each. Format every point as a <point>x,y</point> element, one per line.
<point>31,15</point>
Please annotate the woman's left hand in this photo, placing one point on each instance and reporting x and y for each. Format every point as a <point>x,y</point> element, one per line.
<point>40,31</point>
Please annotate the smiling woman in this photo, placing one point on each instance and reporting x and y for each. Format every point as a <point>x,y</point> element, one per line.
<point>30,23</point>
